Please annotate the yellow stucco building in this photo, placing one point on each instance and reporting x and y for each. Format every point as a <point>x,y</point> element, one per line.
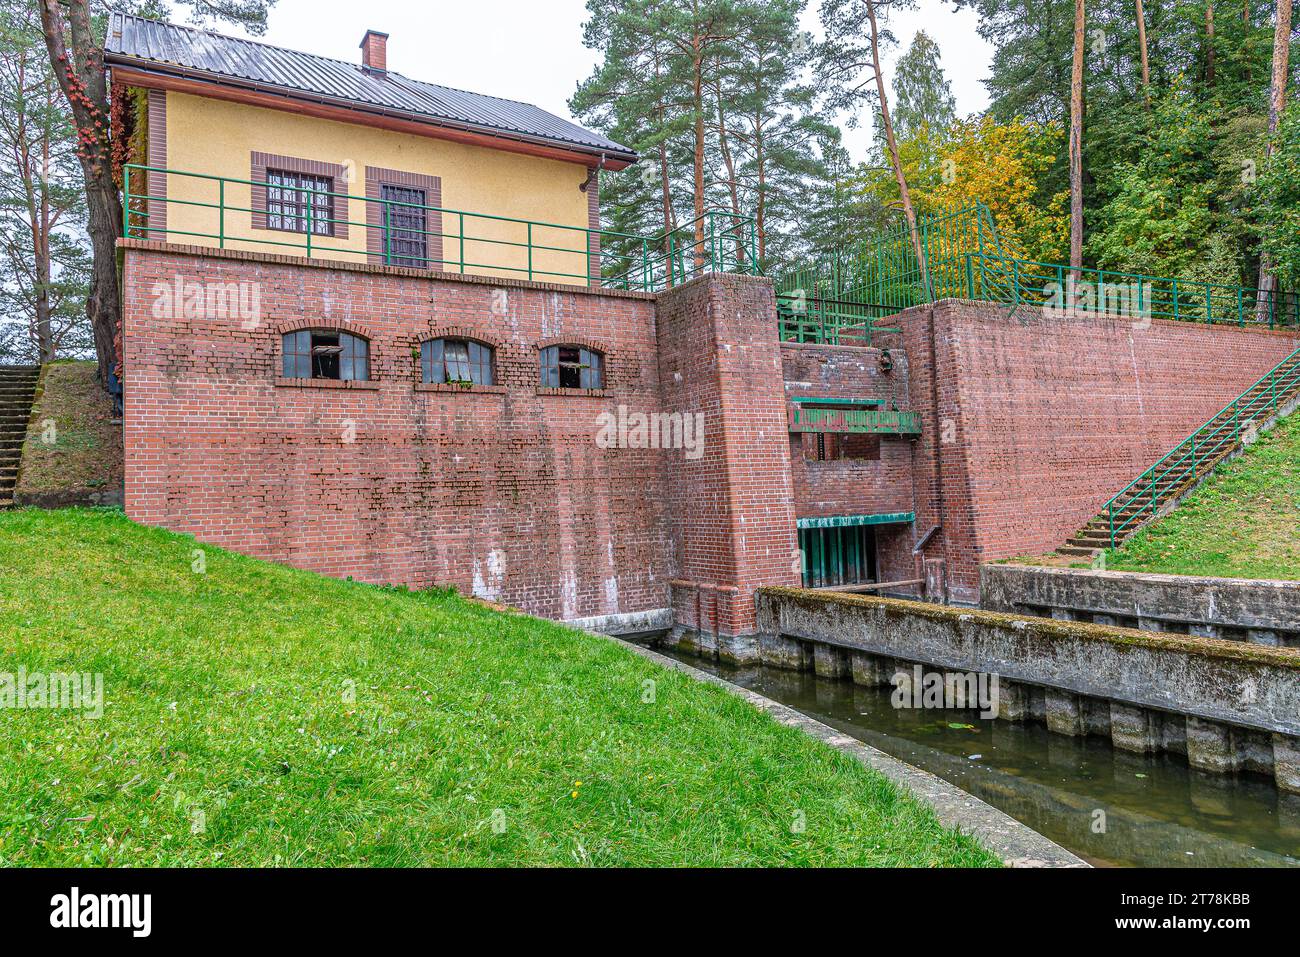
<point>249,146</point>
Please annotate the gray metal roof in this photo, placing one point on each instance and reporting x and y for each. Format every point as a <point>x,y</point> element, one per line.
<point>165,47</point>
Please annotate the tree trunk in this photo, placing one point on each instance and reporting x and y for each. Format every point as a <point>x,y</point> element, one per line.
<point>760,211</point>
<point>909,213</point>
<point>1276,104</point>
<point>1076,145</point>
<point>698,66</point>
<point>41,225</point>
<point>78,63</point>
<point>1209,44</point>
<point>1142,46</point>
<point>733,187</point>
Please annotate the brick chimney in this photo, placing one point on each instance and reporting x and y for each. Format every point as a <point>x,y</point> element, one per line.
<point>374,52</point>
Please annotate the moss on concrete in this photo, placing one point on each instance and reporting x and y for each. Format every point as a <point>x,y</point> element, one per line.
<point>1214,648</point>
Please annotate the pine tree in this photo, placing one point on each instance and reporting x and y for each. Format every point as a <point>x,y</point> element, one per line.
<point>922,94</point>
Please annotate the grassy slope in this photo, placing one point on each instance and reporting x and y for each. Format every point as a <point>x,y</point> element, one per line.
<point>226,695</point>
<point>1242,523</point>
<point>86,456</point>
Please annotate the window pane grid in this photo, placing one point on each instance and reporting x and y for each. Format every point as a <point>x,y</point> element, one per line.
<point>290,195</point>
<point>324,354</point>
<point>456,360</point>
<point>405,234</point>
<point>572,367</point>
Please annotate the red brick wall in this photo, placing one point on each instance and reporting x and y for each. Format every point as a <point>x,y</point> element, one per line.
<point>502,493</point>
<point>848,486</point>
<point>1048,416</point>
<point>730,512</point>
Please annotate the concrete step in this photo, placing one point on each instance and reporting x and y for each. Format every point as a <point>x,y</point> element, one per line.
<point>1077,551</point>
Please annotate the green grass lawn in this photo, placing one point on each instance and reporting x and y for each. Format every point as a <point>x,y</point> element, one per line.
<point>1244,522</point>
<point>258,715</point>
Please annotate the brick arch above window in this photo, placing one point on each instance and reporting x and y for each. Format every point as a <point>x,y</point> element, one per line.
<point>333,325</point>
<point>461,332</point>
<point>259,163</point>
<point>592,344</point>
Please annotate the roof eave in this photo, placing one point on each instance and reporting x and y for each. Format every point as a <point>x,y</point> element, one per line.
<point>608,158</point>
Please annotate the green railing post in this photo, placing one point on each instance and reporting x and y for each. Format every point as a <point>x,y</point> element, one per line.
<point>1174,286</point>
<point>1241,314</point>
<point>126,204</point>
<point>388,233</point>
<point>311,202</point>
<point>221,214</point>
<point>1209,309</point>
<point>462,243</point>
<point>970,278</point>
<point>645,265</point>
<point>530,252</point>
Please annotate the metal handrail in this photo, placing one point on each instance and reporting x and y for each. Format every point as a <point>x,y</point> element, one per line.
<point>1222,430</point>
<point>1163,297</point>
<point>729,241</point>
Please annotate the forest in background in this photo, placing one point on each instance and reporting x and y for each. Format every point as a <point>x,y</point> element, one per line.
<point>735,107</point>
<point>1185,116</point>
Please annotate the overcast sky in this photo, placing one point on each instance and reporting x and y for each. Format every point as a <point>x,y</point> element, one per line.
<point>532,50</point>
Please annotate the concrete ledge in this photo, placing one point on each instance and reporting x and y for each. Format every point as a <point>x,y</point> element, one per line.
<point>629,623</point>
<point>1017,844</point>
<point>1252,686</point>
<point>1156,602</point>
<point>318,262</point>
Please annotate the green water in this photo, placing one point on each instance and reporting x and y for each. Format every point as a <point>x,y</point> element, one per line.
<point>1155,810</point>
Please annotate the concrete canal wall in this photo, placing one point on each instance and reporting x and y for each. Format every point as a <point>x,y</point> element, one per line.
<point>1226,705</point>
<point>1262,612</point>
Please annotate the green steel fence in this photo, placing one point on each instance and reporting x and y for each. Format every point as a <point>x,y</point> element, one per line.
<point>1135,295</point>
<point>1192,458</point>
<point>841,295</point>
<point>220,211</point>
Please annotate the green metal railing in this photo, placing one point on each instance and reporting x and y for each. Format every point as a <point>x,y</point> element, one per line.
<point>843,293</point>
<point>1134,295</point>
<point>840,296</point>
<point>869,421</point>
<point>451,240</point>
<point>1192,458</point>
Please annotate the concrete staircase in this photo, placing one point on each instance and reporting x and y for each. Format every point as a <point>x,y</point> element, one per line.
<point>1161,487</point>
<point>17,392</point>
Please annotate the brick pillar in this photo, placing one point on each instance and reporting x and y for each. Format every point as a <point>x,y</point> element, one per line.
<point>731,509</point>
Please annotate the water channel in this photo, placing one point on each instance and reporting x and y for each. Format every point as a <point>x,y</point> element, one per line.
<point>1157,810</point>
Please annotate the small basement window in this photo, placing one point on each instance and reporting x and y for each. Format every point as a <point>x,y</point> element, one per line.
<point>572,367</point>
<point>456,361</point>
<point>326,354</point>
